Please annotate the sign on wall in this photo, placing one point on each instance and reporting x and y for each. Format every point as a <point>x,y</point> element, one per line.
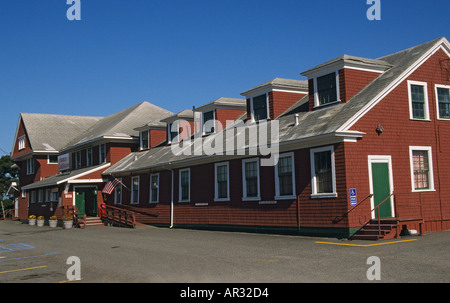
<point>64,162</point>
<point>353,200</point>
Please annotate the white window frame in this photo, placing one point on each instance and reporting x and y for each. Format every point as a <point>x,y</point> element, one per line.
<point>21,143</point>
<point>151,188</point>
<point>316,91</point>
<point>118,201</point>
<point>30,166</point>
<point>138,189</point>
<point>426,106</point>
<point>169,133</point>
<point>23,193</point>
<point>213,119</point>
<point>216,187</point>
<point>437,99</point>
<point>430,167</point>
<point>50,162</point>
<point>77,161</point>
<point>102,157</point>
<point>141,134</point>
<point>244,181</point>
<point>252,115</point>
<point>314,193</point>
<point>277,180</point>
<point>179,185</point>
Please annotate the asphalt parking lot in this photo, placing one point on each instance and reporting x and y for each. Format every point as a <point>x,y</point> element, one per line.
<point>30,254</point>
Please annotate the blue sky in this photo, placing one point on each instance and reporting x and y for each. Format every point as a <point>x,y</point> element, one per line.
<point>177,54</point>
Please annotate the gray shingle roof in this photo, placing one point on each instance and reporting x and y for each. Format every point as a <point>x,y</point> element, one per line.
<point>322,122</point>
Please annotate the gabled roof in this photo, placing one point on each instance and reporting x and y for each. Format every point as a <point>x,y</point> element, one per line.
<point>328,122</point>
<point>225,103</point>
<point>120,125</point>
<point>50,133</point>
<point>279,83</point>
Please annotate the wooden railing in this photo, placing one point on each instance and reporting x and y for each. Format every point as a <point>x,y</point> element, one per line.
<point>71,210</point>
<point>115,215</point>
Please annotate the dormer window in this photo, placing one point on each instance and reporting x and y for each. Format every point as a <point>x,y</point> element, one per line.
<point>172,131</point>
<point>208,122</point>
<point>259,108</point>
<point>144,136</point>
<point>22,143</point>
<point>327,89</point>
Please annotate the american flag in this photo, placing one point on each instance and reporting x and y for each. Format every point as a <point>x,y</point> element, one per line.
<point>110,186</point>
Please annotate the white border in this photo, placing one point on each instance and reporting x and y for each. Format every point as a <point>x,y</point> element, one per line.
<point>314,193</point>
<point>132,188</point>
<point>426,105</point>
<point>157,190</point>
<point>216,188</point>
<point>277,181</point>
<point>436,86</point>
<point>244,182</point>
<point>430,168</point>
<point>381,159</point>
<point>179,185</point>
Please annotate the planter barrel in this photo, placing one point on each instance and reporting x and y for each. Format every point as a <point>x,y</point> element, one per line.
<point>32,221</point>
<point>52,223</point>
<point>40,223</point>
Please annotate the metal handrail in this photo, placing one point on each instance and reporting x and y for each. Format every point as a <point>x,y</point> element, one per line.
<point>379,217</point>
<point>340,218</point>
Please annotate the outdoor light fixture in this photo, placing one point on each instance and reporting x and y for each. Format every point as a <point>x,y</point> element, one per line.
<point>379,129</point>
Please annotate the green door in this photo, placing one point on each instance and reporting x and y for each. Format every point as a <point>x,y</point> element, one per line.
<point>381,189</point>
<point>80,196</point>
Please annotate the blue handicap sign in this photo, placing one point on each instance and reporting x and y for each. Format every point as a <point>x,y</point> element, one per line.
<point>353,200</point>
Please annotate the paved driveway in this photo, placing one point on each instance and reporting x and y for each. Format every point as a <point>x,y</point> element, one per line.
<point>150,254</point>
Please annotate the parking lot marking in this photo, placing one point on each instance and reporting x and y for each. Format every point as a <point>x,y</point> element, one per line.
<point>29,257</point>
<point>22,269</point>
<point>365,245</point>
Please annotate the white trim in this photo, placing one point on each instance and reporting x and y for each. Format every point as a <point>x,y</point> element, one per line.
<point>100,153</point>
<point>30,166</point>
<point>381,159</point>
<point>244,182</point>
<point>252,116</point>
<point>74,193</point>
<point>314,193</point>
<point>140,139</point>
<point>81,181</point>
<point>216,188</point>
<point>21,143</point>
<point>138,189</point>
<point>277,181</point>
<point>50,163</point>
<point>84,174</point>
<point>425,93</point>
<point>436,86</point>
<point>157,189</point>
<point>316,93</point>
<point>430,168</point>
<point>179,185</point>
<point>441,44</point>
<point>203,122</point>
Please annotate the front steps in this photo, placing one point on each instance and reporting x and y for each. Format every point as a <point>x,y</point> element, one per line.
<point>388,230</point>
<point>90,222</point>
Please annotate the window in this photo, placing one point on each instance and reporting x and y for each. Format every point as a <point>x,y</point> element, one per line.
<point>54,194</point>
<point>185,176</point>
<point>284,177</point>
<point>102,153</point>
<point>208,122</point>
<point>48,195</point>
<point>144,139</point>
<point>418,100</point>
<point>135,190</point>
<point>89,157</point>
<point>40,196</point>
<point>222,184</point>
<point>22,143</point>
<point>250,176</point>
<point>24,193</point>
<point>118,193</point>
<point>421,168</point>
<point>326,89</point>
<point>443,101</point>
<point>77,159</point>
<point>52,159</point>
<point>33,197</point>
<point>172,130</point>
<point>259,108</point>
<point>30,166</point>
<point>154,188</point>
<point>323,183</point>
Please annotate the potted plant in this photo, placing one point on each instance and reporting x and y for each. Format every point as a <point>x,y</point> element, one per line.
<point>40,221</point>
<point>53,221</point>
<point>32,220</point>
<point>68,221</point>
